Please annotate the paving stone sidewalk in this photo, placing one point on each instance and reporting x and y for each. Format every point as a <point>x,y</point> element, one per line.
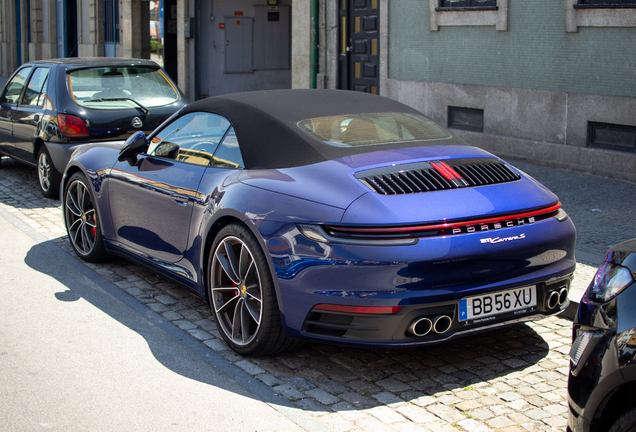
<point>509,380</point>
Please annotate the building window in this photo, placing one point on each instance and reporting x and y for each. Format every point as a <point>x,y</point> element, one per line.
<point>468,13</point>
<point>468,4</point>
<point>612,137</point>
<point>605,3</point>
<point>599,13</point>
<point>470,119</point>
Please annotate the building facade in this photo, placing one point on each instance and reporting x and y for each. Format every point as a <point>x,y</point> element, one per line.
<point>549,82</point>
<point>553,82</point>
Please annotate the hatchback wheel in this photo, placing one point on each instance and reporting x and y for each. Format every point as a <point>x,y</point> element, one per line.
<point>82,223</point>
<point>48,175</point>
<point>242,295</point>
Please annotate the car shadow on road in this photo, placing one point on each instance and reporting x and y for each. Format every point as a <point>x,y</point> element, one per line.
<point>327,378</point>
<point>367,378</point>
<point>171,347</point>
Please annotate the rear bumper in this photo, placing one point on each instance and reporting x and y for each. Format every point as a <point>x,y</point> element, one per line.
<point>427,279</point>
<point>421,324</point>
<point>61,153</point>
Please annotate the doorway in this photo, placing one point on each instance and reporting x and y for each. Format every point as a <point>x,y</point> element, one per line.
<point>359,57</point>
<point>72,37</point>
<point>111,27</point>
<point>168,10</point>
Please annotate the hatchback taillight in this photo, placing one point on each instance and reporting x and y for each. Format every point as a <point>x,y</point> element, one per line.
<point>72,126</point>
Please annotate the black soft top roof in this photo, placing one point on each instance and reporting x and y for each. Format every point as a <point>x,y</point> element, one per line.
<point>266,123</point>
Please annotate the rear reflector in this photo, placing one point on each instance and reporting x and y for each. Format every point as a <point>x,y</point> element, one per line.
<point>377,310</point>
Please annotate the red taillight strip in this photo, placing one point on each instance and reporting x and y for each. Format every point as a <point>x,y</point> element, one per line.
<point>374,310</point>
<point>412,229</point>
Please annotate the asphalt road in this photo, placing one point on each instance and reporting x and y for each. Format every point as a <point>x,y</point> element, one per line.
<point>76,355</point>
<point>76,338</point>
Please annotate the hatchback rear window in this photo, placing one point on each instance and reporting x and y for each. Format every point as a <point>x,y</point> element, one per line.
<point>374,128</point>
<point>121,87</point>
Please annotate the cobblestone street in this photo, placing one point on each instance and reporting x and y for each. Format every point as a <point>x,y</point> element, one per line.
<point>510,380</point>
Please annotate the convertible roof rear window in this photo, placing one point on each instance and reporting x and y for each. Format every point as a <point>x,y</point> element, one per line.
<point>373,128</point>
<point>117,87</point>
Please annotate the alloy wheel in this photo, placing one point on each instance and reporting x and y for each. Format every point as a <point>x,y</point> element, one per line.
<point>81,219</point>
<point>44,171</point>
<point>236,290</point>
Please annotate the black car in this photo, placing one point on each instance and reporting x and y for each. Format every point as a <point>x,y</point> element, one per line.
<point>602,381</point>
<point>50,107</point>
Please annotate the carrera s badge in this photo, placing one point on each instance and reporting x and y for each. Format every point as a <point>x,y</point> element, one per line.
<point>495,240</point>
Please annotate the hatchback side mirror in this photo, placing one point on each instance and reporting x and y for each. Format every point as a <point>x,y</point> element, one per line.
<point>134,145</point>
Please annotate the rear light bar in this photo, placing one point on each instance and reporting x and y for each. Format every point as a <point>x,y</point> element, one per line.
<point>368,310</point>
<point>446,225</point>
<point>409,235</point>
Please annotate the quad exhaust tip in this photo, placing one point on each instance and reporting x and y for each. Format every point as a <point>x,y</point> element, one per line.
<point>556,298</point>
<point>423,325</point>
<point>563,296</point>
<point>442,324</point>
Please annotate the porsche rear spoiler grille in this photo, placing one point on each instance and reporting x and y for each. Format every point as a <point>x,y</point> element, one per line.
<point>436,175</point>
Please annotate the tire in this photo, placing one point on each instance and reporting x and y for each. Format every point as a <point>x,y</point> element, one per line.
<point>80,217</point>
<point>242,295</point>
<point>48,175</point>
<point>626,423</point>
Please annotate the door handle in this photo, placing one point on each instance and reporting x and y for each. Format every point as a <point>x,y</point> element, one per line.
<point>180,199</point>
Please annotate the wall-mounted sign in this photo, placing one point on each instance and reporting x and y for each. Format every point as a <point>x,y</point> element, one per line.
<point>273,14</point>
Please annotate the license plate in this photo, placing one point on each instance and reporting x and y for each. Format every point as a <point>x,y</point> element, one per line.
<point>497,303</point>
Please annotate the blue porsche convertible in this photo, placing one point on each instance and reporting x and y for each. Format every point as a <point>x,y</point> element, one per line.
<point>325,215</point>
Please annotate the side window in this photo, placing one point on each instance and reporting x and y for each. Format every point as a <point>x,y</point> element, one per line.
<point>228,154</point>
<point>192,138</point>
<point>14,87</point>
<point>35,91</point>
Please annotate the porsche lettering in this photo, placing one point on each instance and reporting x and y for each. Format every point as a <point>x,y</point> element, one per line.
<point>480,227</point>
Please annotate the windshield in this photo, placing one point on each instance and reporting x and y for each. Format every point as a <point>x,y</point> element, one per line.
<point>369,129</point>
<point>121,87</point>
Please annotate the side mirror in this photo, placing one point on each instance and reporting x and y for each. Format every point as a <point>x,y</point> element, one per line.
<point>134,145</point>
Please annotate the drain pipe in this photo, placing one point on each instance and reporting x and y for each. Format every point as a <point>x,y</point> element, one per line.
<point>313,68</point>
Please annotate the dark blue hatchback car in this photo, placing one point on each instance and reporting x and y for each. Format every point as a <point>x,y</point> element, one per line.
<point>323,215</point>
<point>49,108</point>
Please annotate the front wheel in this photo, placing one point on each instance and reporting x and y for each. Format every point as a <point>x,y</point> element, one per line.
<point>626,423</point>
<point>48,175</point>
<point>82,223</point>
<point>242,296</point>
